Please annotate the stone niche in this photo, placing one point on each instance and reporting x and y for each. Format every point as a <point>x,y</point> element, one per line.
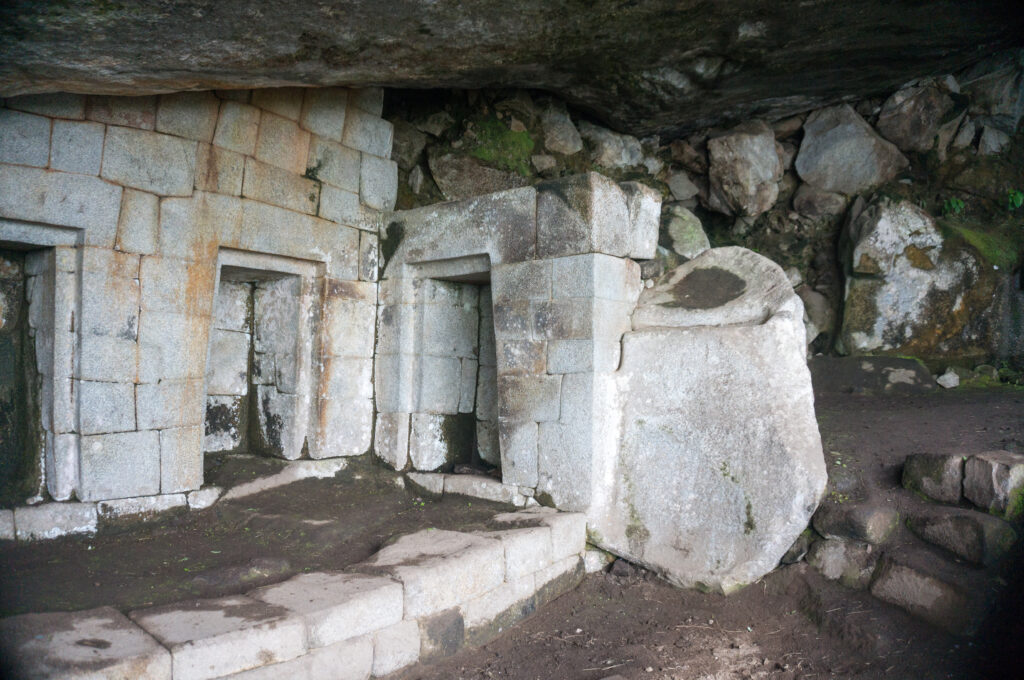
<point>197,273</point>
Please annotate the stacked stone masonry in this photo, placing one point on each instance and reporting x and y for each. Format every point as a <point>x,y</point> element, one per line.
<point>136,212</point>
<point>422,597</point>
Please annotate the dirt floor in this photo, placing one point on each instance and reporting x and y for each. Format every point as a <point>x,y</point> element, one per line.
<point>626,622</point>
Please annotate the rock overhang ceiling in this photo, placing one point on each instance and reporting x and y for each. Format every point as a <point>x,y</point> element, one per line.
<point>642,66</point>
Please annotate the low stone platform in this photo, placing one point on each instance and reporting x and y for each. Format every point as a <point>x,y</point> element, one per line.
<point>422,597</point>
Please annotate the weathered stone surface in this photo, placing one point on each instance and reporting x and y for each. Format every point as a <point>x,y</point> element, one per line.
<point>910,291</point>
<point>395,647</point>
<point>24,139</point>
<point>192,115</point>
<point>346,660</point>
<point>609,149</point>
<point>744,170</point>
<point>237,127</point>
<point>994,481</point>
<point>937,477</point>
<point>441,634</point>
<point>859,521</point>
<point>149,161</point>
<point>282,143</point>
<point>59,198</point>
<point>51,646</point>
<point>76,147</point>
<point>378,182</point>
<point>814,202</point>
<point>745,323</point>
<point>911,117</point>
<point>560,135</point>
<point>120,465</point>
<point>849,562</point>
<point>134,112</point>
<point>582,214</point>
<point>906,585</point>
<point>686,232</point>
<point>334,164</point>
<point>7,525</point>
<point>460,177</point>
<point>841,153</point>
<point>212,638</point>
<point>478,486</point>
<point>337,607</point>
<point>974,536</point>
<point>653,58</point>
<point>141,506</point>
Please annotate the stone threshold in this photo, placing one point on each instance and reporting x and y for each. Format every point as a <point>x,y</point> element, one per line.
<point>475,486</point>
<point>55,519</point>
<point>423,597</point>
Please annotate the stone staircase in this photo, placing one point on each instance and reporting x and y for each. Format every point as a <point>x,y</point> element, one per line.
<point>937,546</point>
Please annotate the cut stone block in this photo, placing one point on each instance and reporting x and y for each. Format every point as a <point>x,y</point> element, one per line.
<point>995,481</point>
<point>138,222</point>
<point>213,638</point>
<point>133,112</point>
<point>348,660</point>
<point>486,488</point>
<point>937,477</point>
<point>284,101</point>
<point>859,521</point>
<point>974,536</point>
<point>582,214</point>
<point>86,645</point>
<point>279,187</point>
<point>850,562</point>
<point>518,445</point>
<point>219,170</point>
<point>491,613</point>
<point>529,398</point>
<point>181,459</point>
<point>378,182</point>
<point>340,205</point>
<point>142,505</point>
<point>395,647</point>
<point>367,132</point>
<point>57,105</point>
<point>237,127</point>
<point>120,465</point>
<point>170,404</point>
<point>106,407</point>
<point>596,276</point>
<point>204,498</point>
<point>192,115</point>
<point>568,529</point>
<point>391,441</point>
<point>644,204</point>
<point>24,139</point>
<point>50,520</point>
<point>526,551</point>
<point>282,143</point>
<point>323,112</point>
<point>334,164</point>
<point>337,607</point>
<point>76,147</point>
<point>559,578</point>
<point>59,198</point>
<point>431,482</point>
<point>149,161</point>
<point>441,569</point>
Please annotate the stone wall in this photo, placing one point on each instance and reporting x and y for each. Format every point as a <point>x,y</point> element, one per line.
<point>137,211</point>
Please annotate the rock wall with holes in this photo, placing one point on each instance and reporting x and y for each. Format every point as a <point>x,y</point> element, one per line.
<point>201,274</point>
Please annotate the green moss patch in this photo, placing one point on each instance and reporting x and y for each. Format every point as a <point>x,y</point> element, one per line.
<point>500,147</point>
<point>998,247</point>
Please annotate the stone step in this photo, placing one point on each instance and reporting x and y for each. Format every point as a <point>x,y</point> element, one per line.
<point>866,521</point>
<point>937,477</point>
<point>920,580</point>
<point>979,538</point>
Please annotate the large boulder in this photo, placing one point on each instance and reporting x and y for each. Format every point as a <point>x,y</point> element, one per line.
<point>744,170</point>
<point>841,153</point>
<point>910,292</point>
<point>720,465</point>
<point>913,117</point>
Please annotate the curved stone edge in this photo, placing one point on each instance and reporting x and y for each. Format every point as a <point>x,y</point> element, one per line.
<point>422,597</point>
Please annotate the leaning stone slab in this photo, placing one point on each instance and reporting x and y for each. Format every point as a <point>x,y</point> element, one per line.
<point>995,481</point>
<point>440,569</point>
<point>213,638</point>
<point>337,607</point>
<point>98,644</point>
<point>722,333</point>
<point>974,536</point>
<point>940,478</point>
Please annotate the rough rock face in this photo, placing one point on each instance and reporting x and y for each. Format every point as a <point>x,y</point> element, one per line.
<point>646,66</point>
<point>910,292</point>
<point>713,507</point>
<point>744,170</point>
<point>841,153</point>
<point>911,118</point>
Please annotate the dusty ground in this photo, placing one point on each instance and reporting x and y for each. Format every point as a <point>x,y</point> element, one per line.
<point>792,624</point>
